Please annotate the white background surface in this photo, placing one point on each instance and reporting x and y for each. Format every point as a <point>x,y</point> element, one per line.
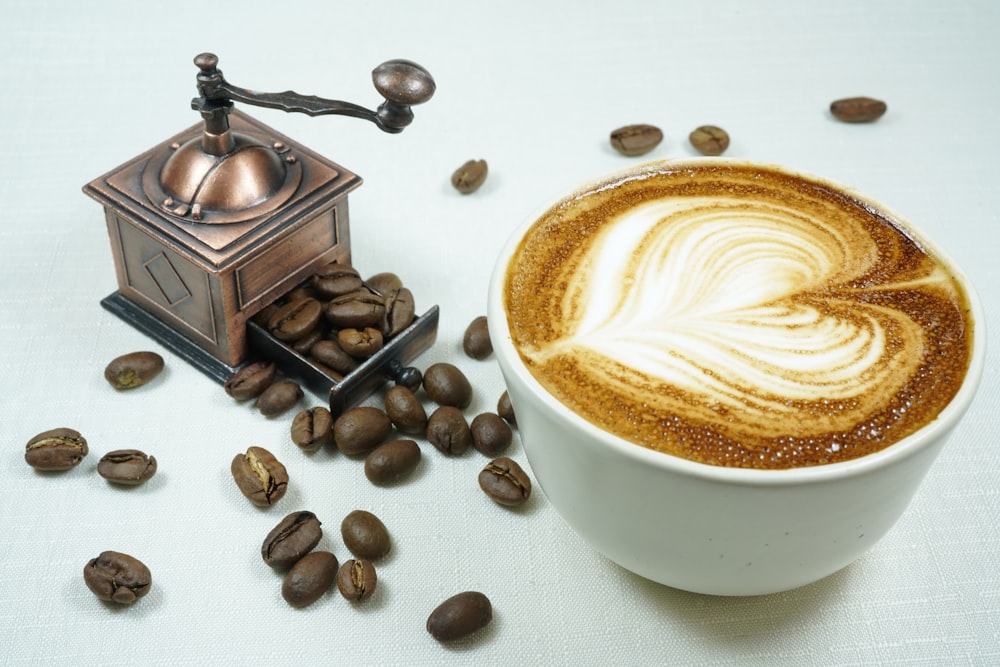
<point>534,88</point>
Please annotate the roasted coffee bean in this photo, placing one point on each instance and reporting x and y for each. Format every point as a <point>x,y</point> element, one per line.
<point>279,398</point>
<point>295,320</point>
<point>392,461</point>
<point>312,428</point>
<point>261,318</point>
<point>329,353</point>
<point>405,410</point>
<point>133,370</point>
<point>251,380</point>
<point>309,578</point>
<point>459,616</point>
<point>709,140</point>
<point>467,178</point>
<point>126,466</point>
<point>356,310</point>
<point>447,385</point>
<point>294,536</point>
<point>636,139</point>
<point>490,434</point>
<point>335,279</point>
<point>360,343</point>
<point>117,577</point>
<point>259,476</point>
<point>361,429</point>
<point>476,341</point>
<point>505,481</point>
<point>506,410</point>
<point>857,109</point>
<point>303,292</point>
<point>400,311</point>
<point>448,431</point>
<point>58,449</point>
<point>385,282</point>
<point>356,580</point>
<point>304,345</point>
<point>365,535</point>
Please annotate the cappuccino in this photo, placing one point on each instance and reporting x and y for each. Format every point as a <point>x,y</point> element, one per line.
<point>737,315</point>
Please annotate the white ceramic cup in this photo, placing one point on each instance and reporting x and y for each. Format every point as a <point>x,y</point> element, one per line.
<point>709,529</point>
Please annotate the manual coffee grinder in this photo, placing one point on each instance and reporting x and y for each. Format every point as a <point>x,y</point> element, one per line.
<point>216,223</point>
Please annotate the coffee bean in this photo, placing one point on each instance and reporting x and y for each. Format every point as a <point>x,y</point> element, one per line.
<point>329,353</point>
<point>857,109</point>
<point>117,577</point>
<point>391,461</point>
<point>259,476</point>
<point>264,315</point>
<point>361,429</point>
<point>505,481</point>
<point>357,580</point>
<point>251,380</point>
<point>467,178</point>
<point>476,341</point>
<point>636,139</point>
<point>294,536</point>
<point>312,428</point>
<point>133,370</point>
<point>57,449</point>
<point>506,410</point>
<point>709,140</point>
<point>279,398</point>
<point>400,311</point>
<point>335,279</point>
<point>304,345</point>
<point>365,535</point>
<point>459,616</point>
<point>360,343</point>
<point>447,385</point>
<point>126,466</point>
<point>490,434</point>
<point>309,578</point>
<point>405,410</point>
<point>295,320</point>
<point>356,310</point>
<point>448,431</point>
<point>385,282</point>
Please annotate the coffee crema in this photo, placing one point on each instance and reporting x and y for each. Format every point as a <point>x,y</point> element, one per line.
<point>737,315</point>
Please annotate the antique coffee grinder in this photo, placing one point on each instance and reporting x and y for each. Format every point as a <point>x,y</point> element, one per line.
<point>216,223</point>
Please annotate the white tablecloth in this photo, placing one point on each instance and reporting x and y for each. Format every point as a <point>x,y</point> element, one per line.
<point>534,88</point>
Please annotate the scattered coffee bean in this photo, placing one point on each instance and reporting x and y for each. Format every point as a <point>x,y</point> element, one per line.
<point>857,109</point>
<point>360,343</point>
<point>361,429</point>
<point>335,279</point>
<point>384,282</point>
<point>365,535</point>
<point>357,580</point>
<point>634,140</point>
<point>294,536</point>
<point>709,140</point>
<point>259,476</point>
<point>126,466</point>
<point>309,578</point>
<point>392,461</point>
<point>476,341</point>
<point>295,320</point>
<point>356,310</point>
<point>405,410</point>
<point>467,178</point>
<point>447,385</point>
<point>459,616</point>
<point>490,434</point>
<point>251,380</point>
<point>117,577</point>
<point>329,353</point>
<point>506,410</point>
<point>448,431</point>
<point>133,370</point>
<point>279,398</point>
<point>57,449</point>
<point>400,311</point>
<point>505,481</point>
<point>312,428</point>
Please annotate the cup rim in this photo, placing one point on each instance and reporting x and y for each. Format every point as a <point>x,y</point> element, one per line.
<point>911,444</point>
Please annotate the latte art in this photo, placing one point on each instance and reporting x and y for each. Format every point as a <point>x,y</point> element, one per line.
<point>737,317</point>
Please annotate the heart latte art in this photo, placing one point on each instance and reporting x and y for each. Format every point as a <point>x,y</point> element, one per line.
<point>737,316</point>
